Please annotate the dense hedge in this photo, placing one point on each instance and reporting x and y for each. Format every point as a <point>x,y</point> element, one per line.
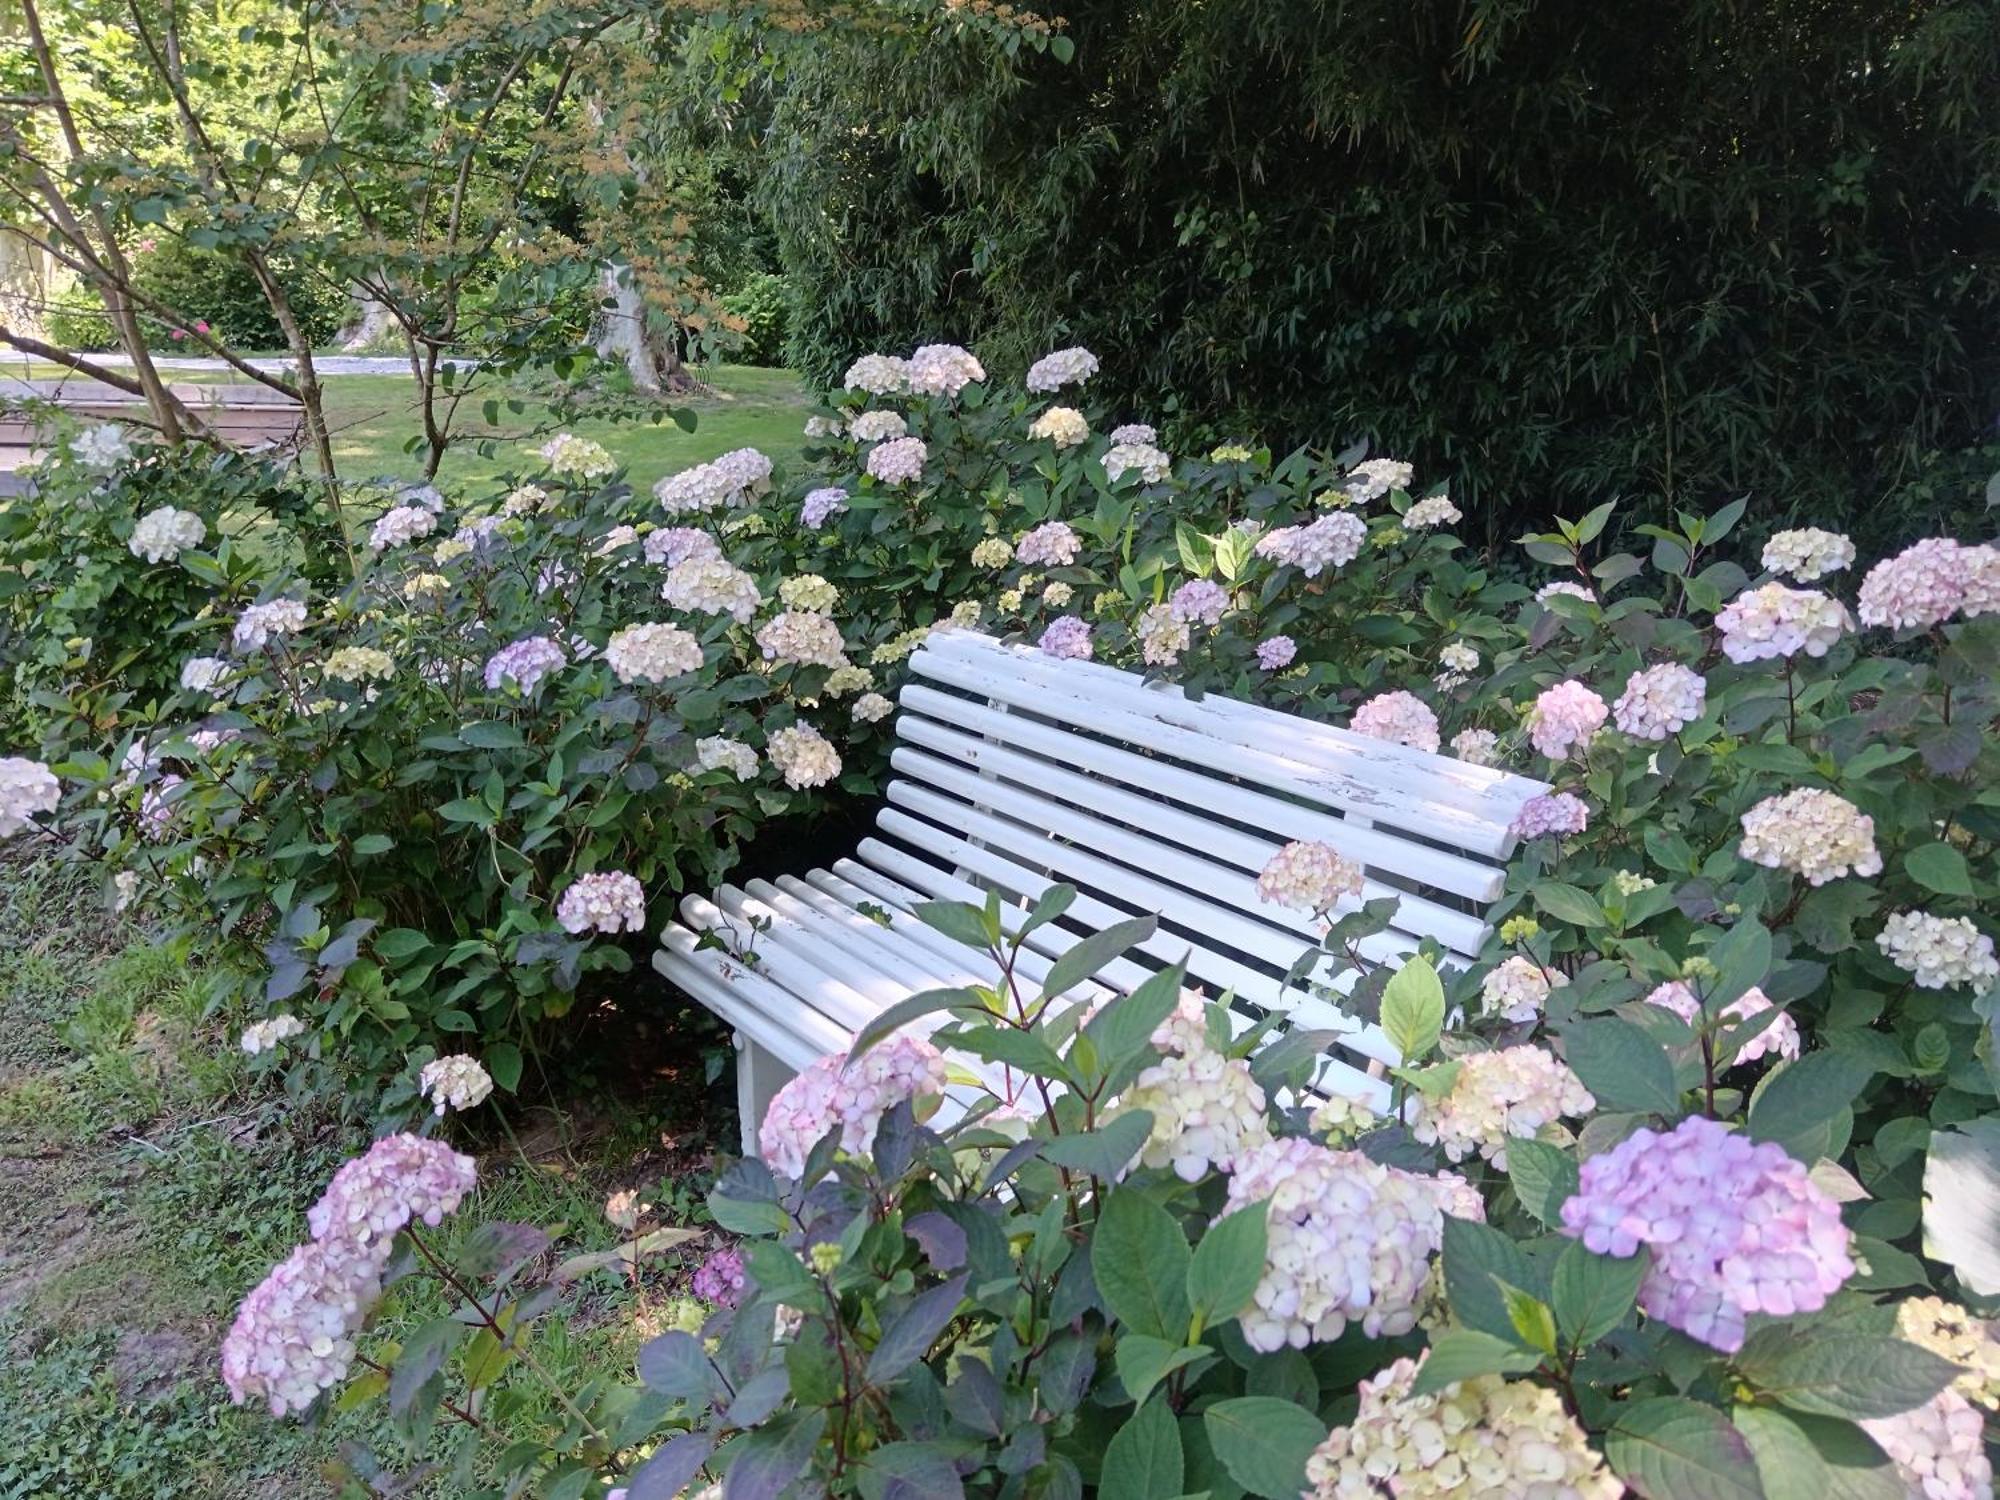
<point>1556,253</point>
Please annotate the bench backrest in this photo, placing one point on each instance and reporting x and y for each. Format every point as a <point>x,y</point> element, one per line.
<point>1019,769</point>
<point>241,414</point>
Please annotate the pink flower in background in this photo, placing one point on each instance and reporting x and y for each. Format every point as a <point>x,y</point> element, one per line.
<point>1069,637</point>
<point>1400,718</point>
<point>178,334</point>
<point>200,326</point>
<point>1276,652</point>
<point>719,1279</point>
<point>1564,717</point>
<point>1553,812</point>
<point>831,1094</point>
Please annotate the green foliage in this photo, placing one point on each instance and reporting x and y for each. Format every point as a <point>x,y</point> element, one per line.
<point>1554,254</point>
<point>763,304</point>
<point>214,289</point>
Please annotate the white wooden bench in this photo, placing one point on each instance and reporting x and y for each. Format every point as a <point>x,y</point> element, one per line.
<point>1017,771</point>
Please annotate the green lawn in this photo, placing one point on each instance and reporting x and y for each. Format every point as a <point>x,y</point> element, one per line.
<point>374,416</point>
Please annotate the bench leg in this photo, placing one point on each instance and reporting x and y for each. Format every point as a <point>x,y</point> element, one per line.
<point>759,1076</point>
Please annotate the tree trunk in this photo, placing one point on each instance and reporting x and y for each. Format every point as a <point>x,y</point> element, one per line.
<point>371,324</point>
<point>650,355</point>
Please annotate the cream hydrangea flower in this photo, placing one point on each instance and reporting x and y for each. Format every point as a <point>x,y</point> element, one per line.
<point>652,653</point>
<point>456,1082</point>
<point>1811,832</point>
<point>1498,1097</point>
<point>1948,1330</point>
<point>803,756</point>
<point>713,586</point>
<point>1517,988</point>
<point>1309,877</point>
<point>1063,426</point>
<point>1488,1438</point>
<point>1808,553</point>
<point>359,664</point>
<point>808,591</point>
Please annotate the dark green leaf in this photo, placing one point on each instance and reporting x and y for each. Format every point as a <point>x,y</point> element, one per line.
<point>1140,1260</point>
<point>1144,1361</point>
<point>1798,1100</point>
<point>1851,1376</point>
<point>1464,1353</point>
<point>1672,1448</point>
<point>899,1015</point>
<point>1264,1443</point>
<point>1228,1263</point>
<point>1622,1066</point>
<point>908,1338</point>
<point>1083,959</point>
<point>1143,1460</point>
<point>1105,1151</point>
<point>1592,1294</point>
<point>1941,868</point>
<point>1544,1178</point>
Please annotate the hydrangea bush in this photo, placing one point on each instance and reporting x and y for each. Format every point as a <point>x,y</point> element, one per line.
<point>1049,1240</point>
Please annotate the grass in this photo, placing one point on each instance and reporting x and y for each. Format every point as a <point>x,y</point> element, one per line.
<point>375,417</point>
<point>150,1175</point>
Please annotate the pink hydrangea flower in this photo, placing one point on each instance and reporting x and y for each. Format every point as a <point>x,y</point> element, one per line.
<point>1053,544</point>
<point>400,1179</point>
<point>1558,813</point>
<point>1921,586</point>
<point>1736,1227</point>
<point>608,901</point>
<point>1199,602</point>
<point>1780,1036</point>
<point>830,1095</point>
<point>719,1278</point>
<point>1400,718</point>
<point>1067,637</point>
<point>1775,621</point>
<point>1565,717</point>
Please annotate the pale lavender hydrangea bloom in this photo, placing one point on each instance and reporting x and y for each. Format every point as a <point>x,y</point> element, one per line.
<point>820,504</point>
<point>1200,601</point>
<point>1349,1241</point>
<point>943,370</point>
<point>259,622</point>
<point>1558,813</point>
<point>1053,544</point>
<point>1939,1448</point>
<point>719,1278</point>
<point>1660,701</point>
<point>27,789</point>
<point>898,461</point>
<point>1162,638</point>
<point>1068,637</point>
<point>1400,718</point>
<point>1070,366</point>
<point>1134,433</point>
<point>608,901</point>
<point>876,426</point>
<point>801,636</point>
<point>1154,466</point>
<point>525,663</point>
<point>878,375</point>
<point>833,1095</point>
<point>1332,541</point>
<point>1736,1227</point>
<point>293,1336</point>
<point>1565,717</point>
<point>1276,652</point>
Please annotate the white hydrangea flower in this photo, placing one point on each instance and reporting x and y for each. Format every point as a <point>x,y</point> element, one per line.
<point>1134,434</point>
<point>1517,988</point>
<point>266,1036</point>
<point>652,653</point>
<point>823,427</point>
<point>1808,553</point>
<point>403,524</point>
<point>1939,952</point>
<point>27,789</point>
<point>1659,702</point>
<point>1063,426</point>
<point>256,626</point>
<point>878,375</point>
<point>719,753</point>
<point>1153,465</point>
<point>1431,513</point>
<point>803,756</point>
<point>524,500</point>
<point>203,674</point>
<point>1052,372</point>
<point>1562,588</point>
<point>993,552</point>
<point>1309,877</point>
<point>1332,541</point>
<point>871,707</point>
<point>1375,477</point>
<point>163,534</point>
<point>808,591</point>
<point>1814,833</point>
<point>455,1082</point>
<point>711,585</point>
<point>803,637</point>
<point>1162,638</point>
<point>102,448</point>
<point>125,889</point>
<point>1498,1097</point>
<point>1480,1439</point>
<point>876,426</point>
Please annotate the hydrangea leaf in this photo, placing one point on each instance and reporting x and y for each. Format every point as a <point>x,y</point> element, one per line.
<point>1672,1448</point>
